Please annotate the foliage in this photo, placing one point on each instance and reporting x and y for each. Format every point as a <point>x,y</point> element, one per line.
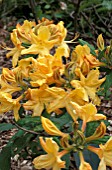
<point>59,87</point>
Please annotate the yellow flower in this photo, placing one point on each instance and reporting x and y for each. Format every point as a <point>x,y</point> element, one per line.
<point>52,158</point>
<point>50,128</point>
<point>16,51</point>
<point>8,81</point>
<point>100,42</point>
<point>87,113</point>
<point>90,84</point>
<point>84,165</point>
<point>104,153</point>
<point>84,60</point>
<point>38,99</point>
<point>23,31</point>
<point>63,99</point>
<point>8,104</point>
<point>45,37</point>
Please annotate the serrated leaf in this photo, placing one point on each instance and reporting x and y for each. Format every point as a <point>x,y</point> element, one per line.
<point>6,127</point>
<point>5,158</point>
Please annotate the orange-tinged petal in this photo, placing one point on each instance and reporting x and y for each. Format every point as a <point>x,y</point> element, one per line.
<point>50,128</point>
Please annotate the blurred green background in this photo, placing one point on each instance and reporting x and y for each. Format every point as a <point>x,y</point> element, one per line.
<point>88,17</point>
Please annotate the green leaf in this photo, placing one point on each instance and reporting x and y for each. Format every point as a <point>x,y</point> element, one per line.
<point>106,85</point>
<point>6,127</point>
<point>21,143</point>
<point>5,158</point>
<point>89,157</point>
<point>92,49</point>
<point>62,120</point>
<point>101,140</point>
<point>66,158</point>
<point>91,127</point>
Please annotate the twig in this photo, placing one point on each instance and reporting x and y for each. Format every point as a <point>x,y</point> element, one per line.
<point>90,24</point>
<point>104,24</point>
<point>26,130</point>
<point>76,14</point>
<point>33,4</point>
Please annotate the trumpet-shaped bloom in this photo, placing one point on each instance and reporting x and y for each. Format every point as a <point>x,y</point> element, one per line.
<point>38,99</point>
<point>90,84</point>
<point>87,113</point>
<point>52,158</point>
<point>84,59</point>
<point>23,31</point>
<point>50,128</point>
<point>104,153</point>
<point>16,51</point>
<point>8,81</point>
<point>8,104</point>
<point>45,37</point>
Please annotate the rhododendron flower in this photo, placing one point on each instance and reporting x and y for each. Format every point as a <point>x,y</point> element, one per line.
<point>45,37</point>
<point>23,31</point>
<point>52,159</point>
<point>16,51</point>
<point>87,113</point>
<point>8,81</point>
<point>90,84</point>
<point>84,59</point>
<point>105,154</point>
<point>38,99</point>
<point>50,128</point>
<point>46,70</point>
<point>8,104</point>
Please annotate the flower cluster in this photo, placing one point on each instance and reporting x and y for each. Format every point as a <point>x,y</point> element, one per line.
<point>46,75</point>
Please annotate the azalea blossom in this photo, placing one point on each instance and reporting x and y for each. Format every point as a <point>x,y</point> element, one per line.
<point>90,84</point>
<point>105,154</point>
<point>16,51</point>
<point>87,113</point>
<point>53,157</point>
<point>84,59</point>
<point>8,81</point>
<point>45,37</point>
<point>8,104</point>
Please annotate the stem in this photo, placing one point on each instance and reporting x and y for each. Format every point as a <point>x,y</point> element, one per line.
<point>26,130</point>
<point>33,4</point>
